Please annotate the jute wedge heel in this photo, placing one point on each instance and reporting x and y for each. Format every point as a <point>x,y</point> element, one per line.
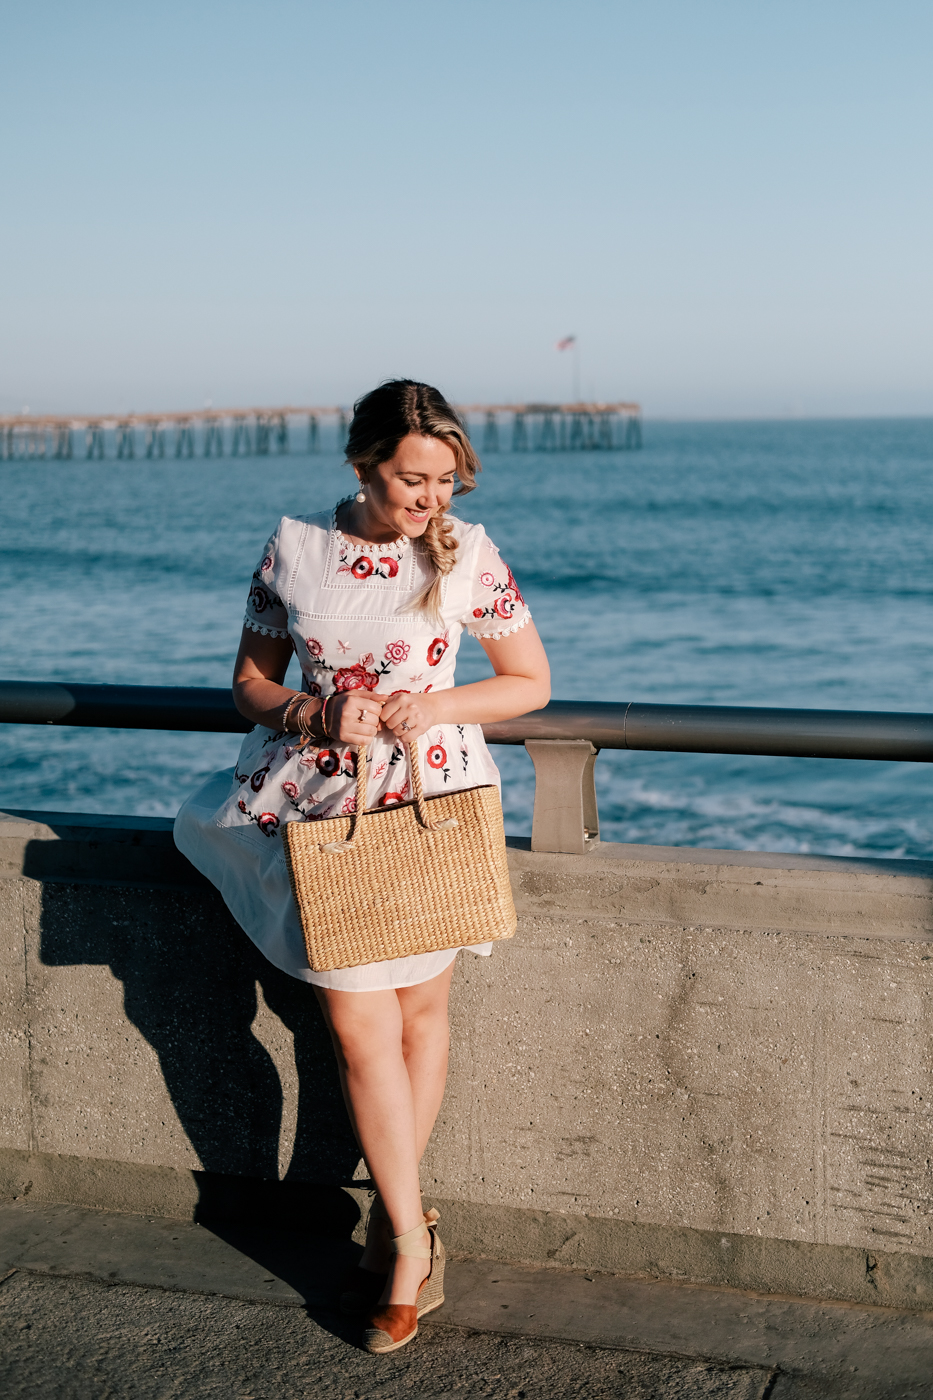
<point>392,1325</point>
<point>360,1288</point>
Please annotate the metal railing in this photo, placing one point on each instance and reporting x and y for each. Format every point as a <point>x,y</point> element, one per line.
<point>563,739</point>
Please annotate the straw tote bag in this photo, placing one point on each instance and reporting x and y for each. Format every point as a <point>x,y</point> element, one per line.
<point>413,878</point>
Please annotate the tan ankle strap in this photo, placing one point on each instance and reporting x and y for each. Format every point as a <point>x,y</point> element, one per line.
<point>410,1244</point>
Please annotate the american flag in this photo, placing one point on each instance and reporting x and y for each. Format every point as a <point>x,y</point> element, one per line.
<point>566,343</point>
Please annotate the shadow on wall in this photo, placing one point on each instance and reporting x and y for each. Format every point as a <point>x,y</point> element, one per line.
<point>189,976</point>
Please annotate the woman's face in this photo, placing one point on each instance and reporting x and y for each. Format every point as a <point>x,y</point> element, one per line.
<point>403,493</point>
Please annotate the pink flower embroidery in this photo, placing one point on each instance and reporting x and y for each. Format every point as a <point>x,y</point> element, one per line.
<point>314,648</point>
<point>397,652</point>
<point>362,568</point>
<point>436,650</point>
<point>267,823</point>
<point>266,564</point>
<point>290,790</point>
<point>390,566</point>
<point>367,660</point>
<point>487,579</point>
<point>349,805</point>
<point>505,605</point>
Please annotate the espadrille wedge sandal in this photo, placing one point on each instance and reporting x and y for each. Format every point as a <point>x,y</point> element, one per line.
<point>392,1325</point>
<point>362,1288</point>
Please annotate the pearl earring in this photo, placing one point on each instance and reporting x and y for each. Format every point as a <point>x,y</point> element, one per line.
<point>359,495</point>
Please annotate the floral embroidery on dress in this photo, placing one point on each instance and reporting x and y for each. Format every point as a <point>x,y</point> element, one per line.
<point>260,599</point>
<point>355,559</point>
<point>268,822</point>
<point>437,648</point>
<point>437,757</point>
<point>345,649</point>
<point>392,799</point>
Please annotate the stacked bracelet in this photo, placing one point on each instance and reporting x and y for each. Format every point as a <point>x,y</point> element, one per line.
<point>310,723</point>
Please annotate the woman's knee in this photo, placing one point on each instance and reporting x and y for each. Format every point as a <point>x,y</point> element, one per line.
<point>424,1026</point>
<point>363,1035</point>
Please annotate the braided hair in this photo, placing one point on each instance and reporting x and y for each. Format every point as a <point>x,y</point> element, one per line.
<point>381,419</point>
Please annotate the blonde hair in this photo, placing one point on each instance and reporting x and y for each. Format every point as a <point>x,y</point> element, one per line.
<point>381,419</point>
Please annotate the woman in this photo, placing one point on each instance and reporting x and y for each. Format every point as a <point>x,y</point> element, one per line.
<point>372,598</point>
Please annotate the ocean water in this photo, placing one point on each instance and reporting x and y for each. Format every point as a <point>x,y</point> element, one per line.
<point>768,563</point>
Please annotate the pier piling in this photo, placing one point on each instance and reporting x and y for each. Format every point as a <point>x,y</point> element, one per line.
<point>531,427</point>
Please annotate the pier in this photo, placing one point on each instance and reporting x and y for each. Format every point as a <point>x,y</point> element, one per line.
<point>263,432</point>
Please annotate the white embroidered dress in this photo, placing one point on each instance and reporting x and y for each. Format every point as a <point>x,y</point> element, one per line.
<point>349,611</point>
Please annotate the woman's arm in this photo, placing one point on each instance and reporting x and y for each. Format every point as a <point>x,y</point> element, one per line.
<point>522,682</point>
<point>260,696</point>
<point>258,673</point>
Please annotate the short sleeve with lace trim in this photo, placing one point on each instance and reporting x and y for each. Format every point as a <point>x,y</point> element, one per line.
<point>498,607</point>
<point>265,611</point>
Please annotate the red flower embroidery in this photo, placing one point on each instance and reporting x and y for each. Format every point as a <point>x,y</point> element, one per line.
<point>397,652</point>
<point>267,823</point>
<point>314,648</point>
<point>389,799</point>
<point>349,806</point>
<point>290,790</point>
<point>436,756</point>
<point>327,762</point>
<point>259,598</point>
<point>514,586</point>
<point>266,564</point>
<point>362,568</point>
<point>436,650</point>
<point>390,566</point>
<point>355,678</point>
<point>505,605</point>
<point>242,805</point>
<point>477,612</point>
<point>400,692</point>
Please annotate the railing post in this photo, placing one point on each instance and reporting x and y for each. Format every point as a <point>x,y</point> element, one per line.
<point>566,817</point>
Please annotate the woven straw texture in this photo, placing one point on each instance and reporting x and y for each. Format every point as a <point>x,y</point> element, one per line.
<point>390,887</point>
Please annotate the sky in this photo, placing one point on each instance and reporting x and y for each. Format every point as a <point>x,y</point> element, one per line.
<point>729,202</point>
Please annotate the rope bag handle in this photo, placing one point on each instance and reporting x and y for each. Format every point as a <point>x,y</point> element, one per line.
<point>362,764</point>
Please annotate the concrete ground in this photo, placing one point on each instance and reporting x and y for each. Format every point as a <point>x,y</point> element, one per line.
<point>101,1306</point>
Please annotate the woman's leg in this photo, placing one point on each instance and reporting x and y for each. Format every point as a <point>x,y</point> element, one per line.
<point>392,1054</point>
<point>426,1045</point>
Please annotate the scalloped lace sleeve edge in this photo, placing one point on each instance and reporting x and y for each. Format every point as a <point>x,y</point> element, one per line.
<point>496,636</point>
<point>265,631</point>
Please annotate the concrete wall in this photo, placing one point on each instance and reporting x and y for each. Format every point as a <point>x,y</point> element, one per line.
<point>698,1064</point>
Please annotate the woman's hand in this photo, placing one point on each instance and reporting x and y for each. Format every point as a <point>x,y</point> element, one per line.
<point>409,716</point>
<point>353,717</point>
